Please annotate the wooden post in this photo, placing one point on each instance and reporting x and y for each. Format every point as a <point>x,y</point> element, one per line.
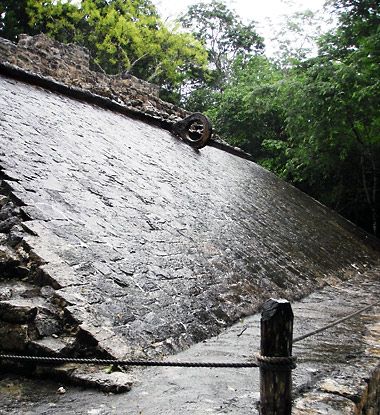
<point>275,371</point>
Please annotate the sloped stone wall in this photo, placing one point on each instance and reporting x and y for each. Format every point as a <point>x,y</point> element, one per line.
<point>150,242</point>
<point>31,320</point>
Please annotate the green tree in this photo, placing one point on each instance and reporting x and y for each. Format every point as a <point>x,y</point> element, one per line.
<point>13,18</point>
<point>127,36</point>
<point>315,122</point>
<point>333,117</point>
<point>295,38</point>
<point>249,113</point>
<point>222,32</point>
<point>225,37</point>
<point>332,122</point>
<point>60,20</point>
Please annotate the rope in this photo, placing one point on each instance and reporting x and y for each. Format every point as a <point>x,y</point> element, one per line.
<point>276,362</point>
<point>61,360</point>
<point>334,323</point>
<point>272,363</point>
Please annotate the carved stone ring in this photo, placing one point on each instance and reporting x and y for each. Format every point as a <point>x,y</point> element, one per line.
<point>190,135</point>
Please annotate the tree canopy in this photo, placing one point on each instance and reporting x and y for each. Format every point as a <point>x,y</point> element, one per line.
<point>222,32</point>
<point>316,122</point>
<point>225,38</point>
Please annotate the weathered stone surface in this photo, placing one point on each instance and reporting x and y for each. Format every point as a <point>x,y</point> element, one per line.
<point>3,200</point>
<point>159,391</point>
<point>52,346</point>
<point>153,240</point>
<point>17,311</point>
<point>7,224</point>
<point>15,235</point>
<point>98,377</point>
<point>13,337</point>
<point>71,66</point>
<point>65,62</point>
<point>46,323</point>
<point>5,292</point>
<point>12,264</point>
<point>31,317</point>
<point>371,403</point>
<point>324,404</point>
<point>13,258</point>
<point>8,257</point>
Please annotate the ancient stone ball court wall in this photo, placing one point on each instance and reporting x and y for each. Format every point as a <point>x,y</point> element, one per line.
<point>120,240</point>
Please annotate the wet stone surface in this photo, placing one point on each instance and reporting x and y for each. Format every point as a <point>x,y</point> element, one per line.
<point>150,245</point>
<point>327,380</point>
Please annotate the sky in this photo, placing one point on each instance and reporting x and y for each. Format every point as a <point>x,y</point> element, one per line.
<point>266,13</point>
<point>257,10</point>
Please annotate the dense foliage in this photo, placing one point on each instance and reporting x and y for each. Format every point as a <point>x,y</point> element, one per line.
<point>122,36</point>
<point>225,38</point>
<point>313,120</point>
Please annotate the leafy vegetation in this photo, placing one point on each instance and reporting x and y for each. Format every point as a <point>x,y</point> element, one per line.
<point>226,39</point>
<point>314,121</point>
<point>312,118</point>
<point>122,36</point>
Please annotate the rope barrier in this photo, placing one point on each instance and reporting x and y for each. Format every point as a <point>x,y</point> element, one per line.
<point>334,323</point>
<point>60,360</point>
<point>274,363</point>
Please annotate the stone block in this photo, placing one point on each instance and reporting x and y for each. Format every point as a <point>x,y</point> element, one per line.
<point>13,338</point>
<point>46,324</point>
<point>52,346</point>
<point>17,311</point>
